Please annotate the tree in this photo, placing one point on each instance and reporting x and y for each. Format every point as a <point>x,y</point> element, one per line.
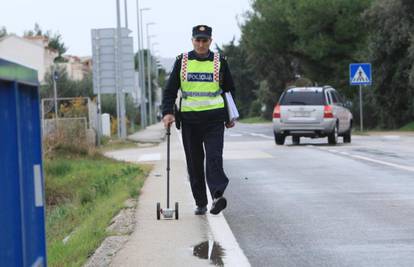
<point>66,86</point>
<point>37,31</point>
<point>242,75</point>
<point>266,39</point>
<point>285,39</point>
<point>54,40</point>
<point>391,51</point>
<point>327,36</point>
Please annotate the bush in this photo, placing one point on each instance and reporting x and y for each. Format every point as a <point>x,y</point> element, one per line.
<point>255,109</point>
<point>70,136</point>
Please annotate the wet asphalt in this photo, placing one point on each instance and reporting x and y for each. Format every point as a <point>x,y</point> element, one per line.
<point>318,205</point>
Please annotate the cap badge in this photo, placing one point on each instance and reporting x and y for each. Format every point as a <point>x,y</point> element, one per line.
<point>202,28</point>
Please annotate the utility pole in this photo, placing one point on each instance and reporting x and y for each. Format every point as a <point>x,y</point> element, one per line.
<point>99,106</point>
<point>121,95</point>
<point>142,95</point>
<point>126,13</point>
<point>149,58</point>
<point>149,81</point>
<point>126,27</point>
<point>143,65</point>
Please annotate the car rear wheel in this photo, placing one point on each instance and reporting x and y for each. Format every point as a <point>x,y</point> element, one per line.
<point>347,136</point>
<point>279,138</point>
<point>296,140</point>
<point>333,136</point>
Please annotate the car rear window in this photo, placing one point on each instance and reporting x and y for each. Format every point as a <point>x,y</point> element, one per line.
<point>311,98</point>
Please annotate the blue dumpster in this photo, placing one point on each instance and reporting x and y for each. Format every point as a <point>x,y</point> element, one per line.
<point>22,213</point>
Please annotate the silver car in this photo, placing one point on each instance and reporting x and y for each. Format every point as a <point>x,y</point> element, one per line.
<point>311,112</point>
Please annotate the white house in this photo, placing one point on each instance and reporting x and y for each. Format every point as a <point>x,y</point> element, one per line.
<point>77,67</point>
<point>28,51</point>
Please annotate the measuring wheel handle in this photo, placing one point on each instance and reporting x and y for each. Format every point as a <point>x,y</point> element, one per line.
<point>176,210</point>
<point>158,210</point>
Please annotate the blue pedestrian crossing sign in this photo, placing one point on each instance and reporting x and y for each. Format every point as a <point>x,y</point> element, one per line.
<point>360,74</point>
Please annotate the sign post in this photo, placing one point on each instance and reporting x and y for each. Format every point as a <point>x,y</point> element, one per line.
<point>361,115</point>
<point>113,68</point>
<point>360,74</point>
<point>55,75</point>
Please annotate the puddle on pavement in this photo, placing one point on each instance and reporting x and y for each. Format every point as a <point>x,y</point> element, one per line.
<point>210,250</point>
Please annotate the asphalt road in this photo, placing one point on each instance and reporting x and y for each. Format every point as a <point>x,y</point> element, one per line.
<point>320,205</point>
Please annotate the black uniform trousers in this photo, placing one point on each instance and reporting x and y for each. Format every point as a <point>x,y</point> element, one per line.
<point>205,140</point>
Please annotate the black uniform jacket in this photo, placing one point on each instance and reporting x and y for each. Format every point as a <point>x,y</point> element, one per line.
<point>174,84</point>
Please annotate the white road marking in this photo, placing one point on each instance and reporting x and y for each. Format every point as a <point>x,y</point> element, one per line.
<point>391,137</point>
<point>234,135</point>
<point>261,135</point>
<point>398,166</point>
<point>150,157</point>
<point>222,234</point>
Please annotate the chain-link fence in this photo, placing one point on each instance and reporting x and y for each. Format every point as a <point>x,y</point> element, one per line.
<point>76,124</point>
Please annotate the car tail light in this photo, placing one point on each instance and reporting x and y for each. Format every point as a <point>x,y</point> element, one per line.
<point>276,112</point>
<point>327,112</point>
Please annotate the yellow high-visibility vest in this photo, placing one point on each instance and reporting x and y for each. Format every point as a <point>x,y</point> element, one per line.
<point>200,84</point>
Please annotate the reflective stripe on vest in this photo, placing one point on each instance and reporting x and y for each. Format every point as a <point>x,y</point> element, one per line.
<point>187,94</point>
<point>202,103</point>
<point>200,84</point>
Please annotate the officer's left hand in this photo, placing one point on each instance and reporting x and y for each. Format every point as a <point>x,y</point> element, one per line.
<point>230,124</point>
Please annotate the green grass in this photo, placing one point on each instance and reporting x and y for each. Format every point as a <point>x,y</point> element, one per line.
<point>254,120</point>
<point>408,127</point>
<point>83,194</point>
<point>358,132</point>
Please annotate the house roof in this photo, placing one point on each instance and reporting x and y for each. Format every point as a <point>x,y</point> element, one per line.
<point>13,36</point>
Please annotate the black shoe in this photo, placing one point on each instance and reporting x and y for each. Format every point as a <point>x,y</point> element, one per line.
<point>200,210</point>
<point>219,204</point>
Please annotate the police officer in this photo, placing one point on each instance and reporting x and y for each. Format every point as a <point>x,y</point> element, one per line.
<point>202,76</point>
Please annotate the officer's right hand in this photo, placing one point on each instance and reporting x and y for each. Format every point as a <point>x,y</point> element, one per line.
<point>168,119</point>
<point>230,124</point>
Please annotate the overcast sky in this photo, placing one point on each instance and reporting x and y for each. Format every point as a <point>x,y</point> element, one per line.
<point>174,19</point>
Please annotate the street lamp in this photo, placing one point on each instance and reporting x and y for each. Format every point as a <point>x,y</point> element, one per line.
<point>141,64</point>
<point>150,108</point>
<point>126,13</point>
